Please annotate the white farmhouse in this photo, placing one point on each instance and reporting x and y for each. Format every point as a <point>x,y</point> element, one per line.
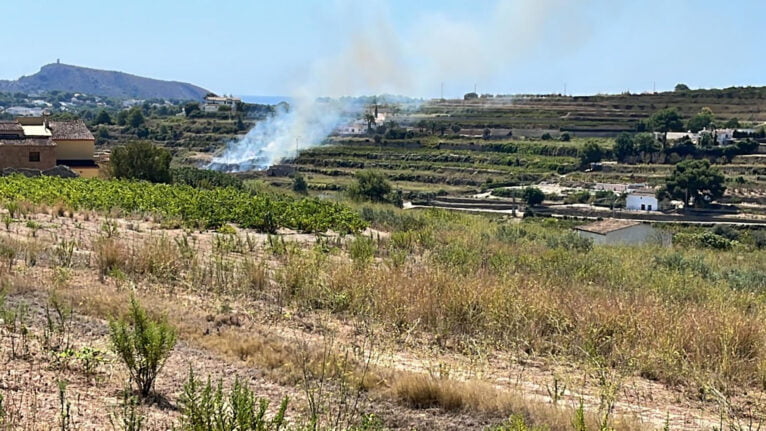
<point>724,136</point>
<point>642,200</point>
<point>622,232</point>
<point>213,103</point>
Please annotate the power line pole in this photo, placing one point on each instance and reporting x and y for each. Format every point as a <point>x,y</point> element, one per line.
<point>442,93</point>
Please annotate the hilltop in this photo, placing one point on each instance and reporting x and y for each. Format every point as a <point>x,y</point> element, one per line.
<point>64,77</point>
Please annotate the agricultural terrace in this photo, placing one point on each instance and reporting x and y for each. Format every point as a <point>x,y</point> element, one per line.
<point>184,204</point>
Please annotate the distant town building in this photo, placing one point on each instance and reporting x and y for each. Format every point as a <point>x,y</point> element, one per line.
<point>214,103</point>
<point>622,232</point>
<point>642,200</point>
<point>38,143</point>
<point>23,111</point>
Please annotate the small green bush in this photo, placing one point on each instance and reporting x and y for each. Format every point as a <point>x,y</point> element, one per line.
<point>703,240</point>
<point>759,239</point>
<point>205,407</point>
<point>726,231</point>
<point>516,423</point>
<point>362,249</point>
<point>570,241</point>
<point>533,196</point>
<point>142,344</point>
<point>300,185</point>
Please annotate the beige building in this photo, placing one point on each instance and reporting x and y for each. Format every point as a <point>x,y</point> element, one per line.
<point>37,143</point>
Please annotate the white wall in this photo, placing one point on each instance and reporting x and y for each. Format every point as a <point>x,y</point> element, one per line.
<point>634,202</point>
<point>638,234</point>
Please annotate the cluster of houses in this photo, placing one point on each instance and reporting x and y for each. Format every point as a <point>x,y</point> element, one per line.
<point>360,125</point>
<point>38,143</point>
<point>638,197</point>
<point>720,136</point>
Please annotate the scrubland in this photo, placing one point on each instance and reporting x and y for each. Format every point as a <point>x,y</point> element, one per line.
<point>425,320</point>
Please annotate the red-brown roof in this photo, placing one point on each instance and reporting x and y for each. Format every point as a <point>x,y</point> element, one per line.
<point>66,130</point>
<point>606,226</point>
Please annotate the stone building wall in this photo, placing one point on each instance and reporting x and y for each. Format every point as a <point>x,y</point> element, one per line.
<point>17,156</point>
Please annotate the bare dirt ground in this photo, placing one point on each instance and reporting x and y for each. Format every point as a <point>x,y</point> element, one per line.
<point>29,382</point>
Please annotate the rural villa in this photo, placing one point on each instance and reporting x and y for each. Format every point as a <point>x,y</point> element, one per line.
<point>214,103</point>
<point>41,144</point>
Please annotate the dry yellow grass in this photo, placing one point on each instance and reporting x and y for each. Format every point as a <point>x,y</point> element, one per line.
<point>458,285</point>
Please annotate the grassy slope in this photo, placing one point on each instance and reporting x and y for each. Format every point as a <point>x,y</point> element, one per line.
<point>433,286</point>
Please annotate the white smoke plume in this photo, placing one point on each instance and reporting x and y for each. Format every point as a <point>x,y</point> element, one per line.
<point>379,59</point>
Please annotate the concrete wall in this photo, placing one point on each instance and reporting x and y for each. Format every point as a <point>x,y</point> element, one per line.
<point>634,202</point>
<point>75,150</point>
<point>639,234</point>
<point>17,156</point>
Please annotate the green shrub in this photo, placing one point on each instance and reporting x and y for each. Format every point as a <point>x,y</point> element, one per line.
<point>759,239</point>
<point>141,160</point>
<point>569,241</point>
<point>205,179</point>
<point>744,279</point>
<point>205,407</point>
<point>362,249</point>
<point>703,240</point>
<point>300,185</point>
<point>513,233</point>
<point>726,231</point>
<point>516,423</point>
<point>389,219</point>
<point>581,197</point>
<point>533,196</point>
<point>370,186</point>
<point>142,344</point>
<point>677,262</point>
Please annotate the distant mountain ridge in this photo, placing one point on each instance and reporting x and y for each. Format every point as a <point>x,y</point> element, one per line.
<point>106,83</point>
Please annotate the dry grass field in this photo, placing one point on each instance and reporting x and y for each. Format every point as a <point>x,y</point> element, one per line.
<point>428,320</point>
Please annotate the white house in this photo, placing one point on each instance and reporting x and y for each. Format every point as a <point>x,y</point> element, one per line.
<point>724,136</point>
<point>642,200</point>
<point>358,127</point>
<point>677,136</point>
<point>622,232</point>
<point>213,103</point>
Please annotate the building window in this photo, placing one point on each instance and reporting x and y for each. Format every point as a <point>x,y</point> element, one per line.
<point>34,156</point>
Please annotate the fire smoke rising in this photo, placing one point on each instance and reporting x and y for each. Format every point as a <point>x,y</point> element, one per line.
<point>378,59</point>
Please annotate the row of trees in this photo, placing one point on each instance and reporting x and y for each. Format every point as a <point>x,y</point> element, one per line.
<point>670,120</point>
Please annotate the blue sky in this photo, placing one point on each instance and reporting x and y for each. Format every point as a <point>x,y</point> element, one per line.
<point>363,47</point>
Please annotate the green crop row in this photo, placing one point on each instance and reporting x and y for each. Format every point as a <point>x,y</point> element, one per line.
<point>195,207</point>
